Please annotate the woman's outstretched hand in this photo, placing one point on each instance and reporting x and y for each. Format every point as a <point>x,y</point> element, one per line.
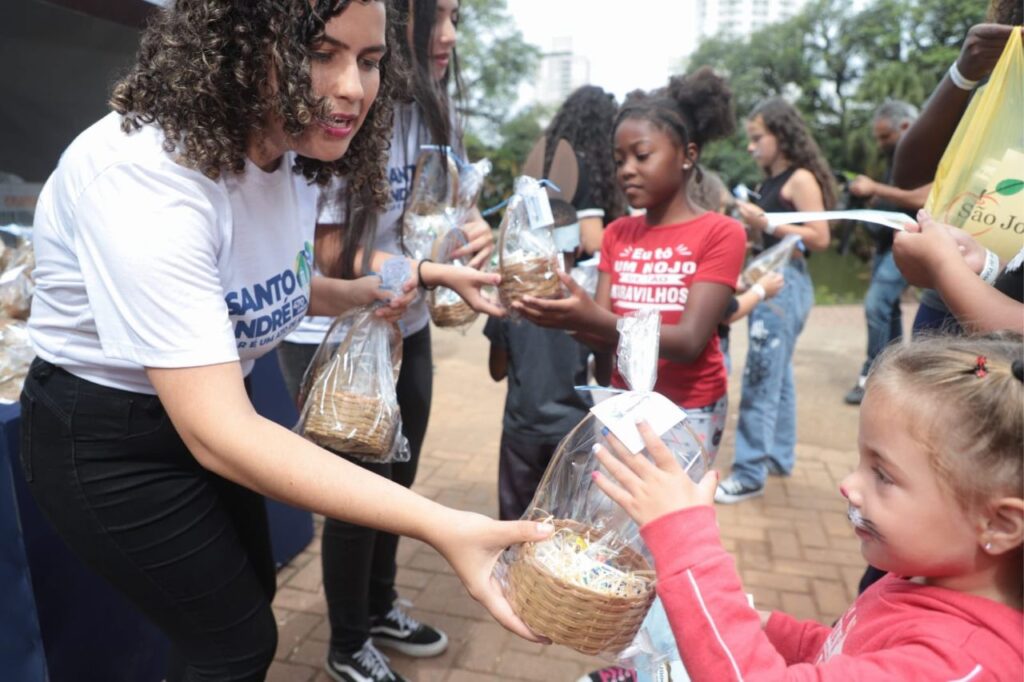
<point>472,543</point>
<point>648,489</point>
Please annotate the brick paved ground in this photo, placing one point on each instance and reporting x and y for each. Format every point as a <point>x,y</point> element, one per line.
<point>794,548</point>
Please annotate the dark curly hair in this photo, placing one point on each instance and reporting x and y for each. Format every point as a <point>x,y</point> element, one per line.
<point>585,121</point>
<point>202,75</point>
<point>784,122</point>
<point>695,108</point>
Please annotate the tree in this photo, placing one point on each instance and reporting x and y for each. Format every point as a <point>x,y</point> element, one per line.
<point>494,59</point>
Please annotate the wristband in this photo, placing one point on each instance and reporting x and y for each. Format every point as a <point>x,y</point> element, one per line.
<point>959,80</point>
<point>991,269</point>
<point>759,290</point>
<point>419,274</point>
<point>770,228</point>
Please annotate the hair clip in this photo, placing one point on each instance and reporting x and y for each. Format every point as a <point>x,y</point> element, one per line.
<point>981,368</point>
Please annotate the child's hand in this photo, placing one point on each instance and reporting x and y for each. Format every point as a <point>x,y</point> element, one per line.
<point>572,312</point>
<point>772,283</point>
<point>647,490</point>
<point>925,248</point>
<point>752,215</point>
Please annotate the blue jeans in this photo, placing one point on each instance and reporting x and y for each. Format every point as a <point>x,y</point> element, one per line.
<point>882,306</point>
<point>767,415</point>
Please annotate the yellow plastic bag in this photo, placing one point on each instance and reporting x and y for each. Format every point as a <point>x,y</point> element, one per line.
<point>979,184</point>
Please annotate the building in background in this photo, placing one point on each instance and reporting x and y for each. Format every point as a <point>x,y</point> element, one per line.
<point>561,71</point>
<point>741,18</point>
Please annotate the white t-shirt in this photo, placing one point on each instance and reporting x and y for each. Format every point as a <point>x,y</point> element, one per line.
<point>407,135</point>
<point>141,262</point>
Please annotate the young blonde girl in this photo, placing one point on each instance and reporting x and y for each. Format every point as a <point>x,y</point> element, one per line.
<point>937,500</point>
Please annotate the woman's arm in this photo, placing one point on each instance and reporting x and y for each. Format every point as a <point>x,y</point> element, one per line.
<point>467,282</point>
<point>211,411</point>
<point>803,191</point>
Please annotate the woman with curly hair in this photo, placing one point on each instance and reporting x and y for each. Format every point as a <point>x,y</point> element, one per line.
<point>798,179</point>
<point>359,565</point>
<point>585,121</point>
<point>173,244</point>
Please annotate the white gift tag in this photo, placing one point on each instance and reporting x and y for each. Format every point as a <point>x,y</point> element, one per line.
<point>620,413</point>
<point>538,208</point>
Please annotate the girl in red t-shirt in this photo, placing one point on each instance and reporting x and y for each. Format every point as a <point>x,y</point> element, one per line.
<point>677,258</point>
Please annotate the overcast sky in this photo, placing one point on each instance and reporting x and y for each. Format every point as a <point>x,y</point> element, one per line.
<point>631,44</point>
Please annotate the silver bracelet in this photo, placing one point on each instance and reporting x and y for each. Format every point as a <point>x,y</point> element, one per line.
<point>991,269</point>
<point>959,80</point>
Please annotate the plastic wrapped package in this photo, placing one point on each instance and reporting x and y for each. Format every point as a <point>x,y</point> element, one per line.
<point>586,274</point>
<point>773,259</point>
<point>17,261</point>
<point>16,355</point>
<point>527,255</point>
<point>348,403</point>
<point>591,583</point>
<point>435,190</point>
<point>447,309</point>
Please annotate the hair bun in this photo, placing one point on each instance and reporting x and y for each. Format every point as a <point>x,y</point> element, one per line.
<point>1017,367</point>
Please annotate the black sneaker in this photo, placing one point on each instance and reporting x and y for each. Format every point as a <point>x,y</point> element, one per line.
<point>732,490</point>
<point>855,395</point>
<point>612,674</point>
<point>401,632</point>
<point>365,665</point>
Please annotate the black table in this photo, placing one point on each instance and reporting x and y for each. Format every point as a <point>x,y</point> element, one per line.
<point>62,623</point>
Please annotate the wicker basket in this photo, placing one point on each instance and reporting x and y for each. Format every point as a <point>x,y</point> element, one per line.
<point>349,423</point>
<point>537,277</point>
<point>457,314</point>
<point>587,621</point>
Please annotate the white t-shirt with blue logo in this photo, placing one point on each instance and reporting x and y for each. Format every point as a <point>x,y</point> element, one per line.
<point>142,262</point>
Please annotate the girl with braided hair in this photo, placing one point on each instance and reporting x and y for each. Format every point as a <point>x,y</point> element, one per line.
<point>174,246</point>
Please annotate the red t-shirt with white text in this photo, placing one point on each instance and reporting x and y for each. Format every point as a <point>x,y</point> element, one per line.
<point>654,267</point>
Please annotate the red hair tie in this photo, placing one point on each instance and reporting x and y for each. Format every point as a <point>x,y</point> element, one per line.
<point>981,368</point>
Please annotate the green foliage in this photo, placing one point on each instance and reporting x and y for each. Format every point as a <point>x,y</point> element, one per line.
<point>837,65</point>
<point>517,136</point>
<point>494,59</point>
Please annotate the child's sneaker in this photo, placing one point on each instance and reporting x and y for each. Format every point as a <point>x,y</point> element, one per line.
<point>401,632</point>
<point>733,490</point>
<point>612,674</point>
<point>366,665</point>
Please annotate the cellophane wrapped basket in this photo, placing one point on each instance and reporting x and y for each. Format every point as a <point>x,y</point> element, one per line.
<point>447,309</point>
<point>348,403</point>
<point>435,190</point>
<point>591,583</point>
<point>772,259</point>
<point>528,258</point>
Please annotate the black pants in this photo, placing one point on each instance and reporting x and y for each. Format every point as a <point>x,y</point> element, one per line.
<point>521,465</point>
<point>190,549</point>
<point>359,563</point>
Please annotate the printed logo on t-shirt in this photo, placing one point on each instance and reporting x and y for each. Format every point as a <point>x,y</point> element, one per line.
<point>263,312</point>
<point>400,184</point>
<point>653,278</point>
